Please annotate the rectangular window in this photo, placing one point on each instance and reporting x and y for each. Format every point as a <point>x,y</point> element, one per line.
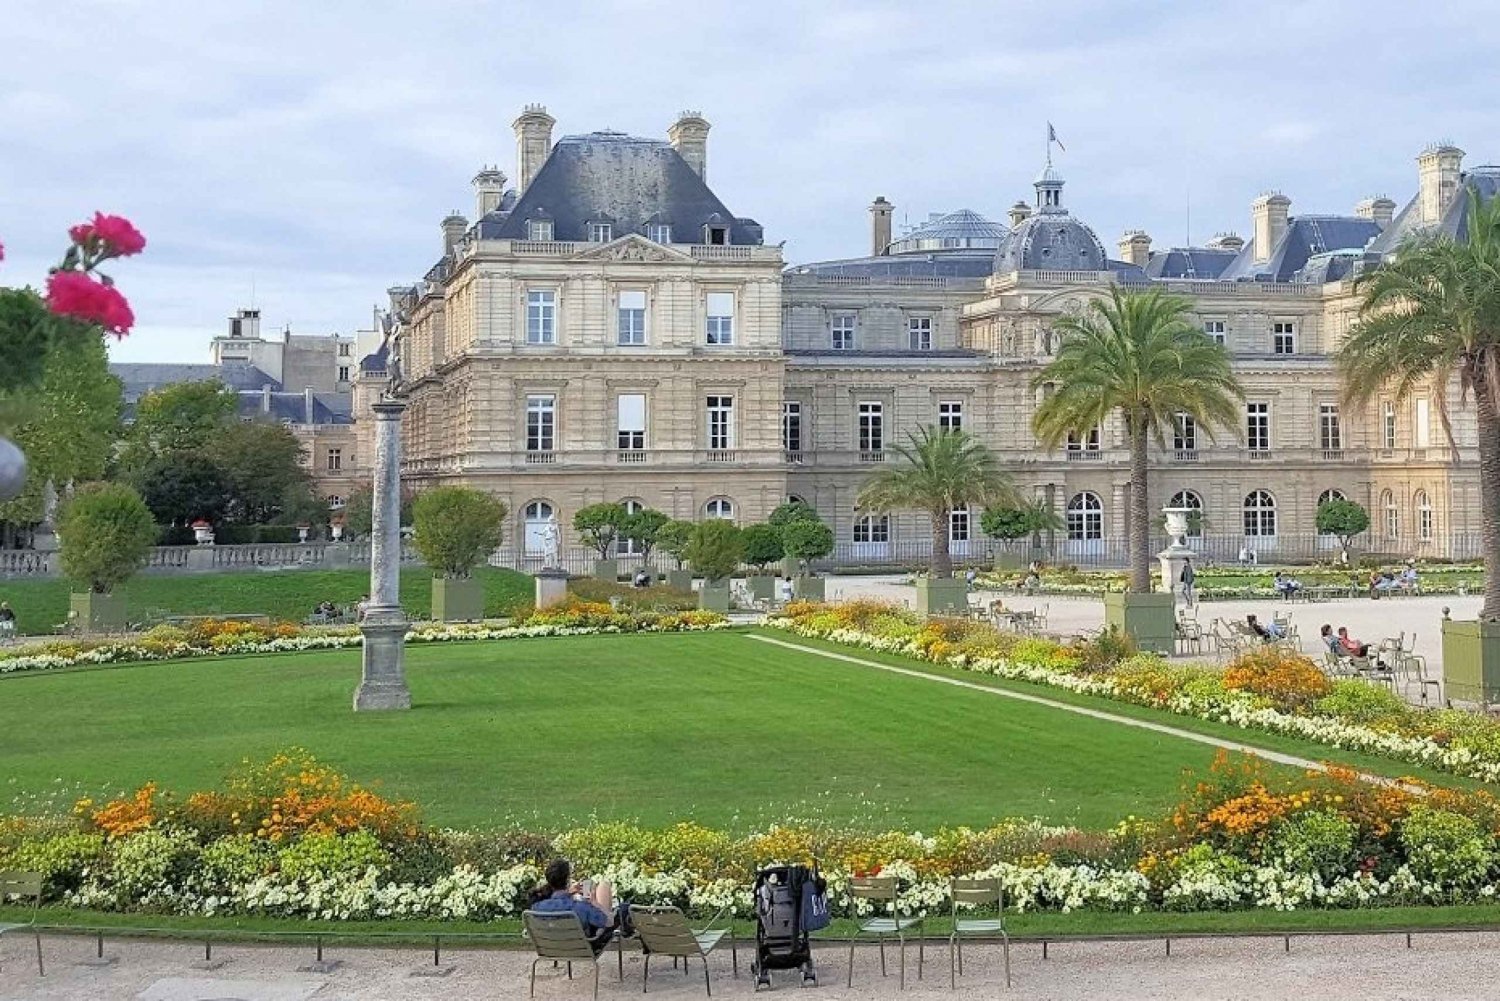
<point>1088,443</point>
<point>720,423</point>
<point>1422,429</point>
<point>1388,424</point>
<point>541,423</point>
<point>1284,338</point>
<point>1215,330</point>
<point>541,317</point>
<point>716,236</point>
<point>539,229</point>
<point>631,427</point>
<point>842,330</point>
<point>659,232</point>
<point>1392,521</point>
<point>871,427</point>
<point>958,525</point>
<point>632,317</point>
<point>335,460</point>
<point>600,232</point>
<point>720,317</point>
<point>951,415</point>
<point>1258,426</point>
<point>1424,520</point>
<point>791,426</point>
<point>1184,433</point>
<point>343,373</point>
<point>343,351</point>
<point>872,528</point>
<point>1330,433</point>
<point>919,331</point>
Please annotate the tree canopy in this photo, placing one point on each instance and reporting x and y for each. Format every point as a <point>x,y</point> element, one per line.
<point>456,528</point>
<point>105,532</point>
<point>598,525</point>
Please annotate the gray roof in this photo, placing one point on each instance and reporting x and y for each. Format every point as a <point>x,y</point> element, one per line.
<point>964,229</point>
<point>1483,181</point>
<point>293,407</point>
<point>375,360</point>
<point>1189,262</point>
<point>1306,236</point>
<point>1050,240</point>
<point>1334,266</point>
<point>623,180</point>
<point>938,264</point>
<point>139,378</point>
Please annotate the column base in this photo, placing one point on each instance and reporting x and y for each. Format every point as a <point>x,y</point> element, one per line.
<point>383,684</point>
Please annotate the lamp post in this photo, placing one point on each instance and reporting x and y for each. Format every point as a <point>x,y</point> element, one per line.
<point>383,682</point>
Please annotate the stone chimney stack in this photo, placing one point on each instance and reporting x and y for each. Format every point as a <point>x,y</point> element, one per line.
<point>1268,216</point>
<point>307,405</point>
<point>489,190</point>
<point>880,225</point>
<point>689,137</point>
<point>1227,241</point>
<point>454,228</point>
<point>1437,178</point>
<point>1019,213</point>
<point>1381,210</point>
<point>533,142</point>
<point>1135,248</point>
<point>265,398</point>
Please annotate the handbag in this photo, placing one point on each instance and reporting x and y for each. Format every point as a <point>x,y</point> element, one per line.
<point>815,914</point>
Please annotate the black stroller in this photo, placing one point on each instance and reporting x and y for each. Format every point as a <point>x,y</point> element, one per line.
<point>790,901</point>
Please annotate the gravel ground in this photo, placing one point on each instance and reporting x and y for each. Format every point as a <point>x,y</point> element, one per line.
<point>1450,967</point>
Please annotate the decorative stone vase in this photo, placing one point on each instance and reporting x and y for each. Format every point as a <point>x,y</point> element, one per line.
<point>805,587</point>
<point>203,533</point>
<point>302,531</point>
<point>1471,661</point>
<point>714,596</point>
<point>942,595</point>
<point>680,580</point>
<point>762,586</point>
<point>1148,618</point>
<point>457,599</point>
<point>607,570</point>
<point>336,530</point>
<point>98,613</point>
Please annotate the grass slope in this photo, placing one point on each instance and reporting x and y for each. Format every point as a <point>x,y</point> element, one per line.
<point>282,594</point>
<point>655,728</point>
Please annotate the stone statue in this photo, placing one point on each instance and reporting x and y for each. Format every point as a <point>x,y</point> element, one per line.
<point>551,539</point>
<point>44,537</point>
<point>49,503</point>
<point>391,328</point>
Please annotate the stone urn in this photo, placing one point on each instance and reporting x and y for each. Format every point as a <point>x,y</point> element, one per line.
<point>1177,526</point>
<point>302,531</point>
<point>337,531</point>
<point>203,532</point>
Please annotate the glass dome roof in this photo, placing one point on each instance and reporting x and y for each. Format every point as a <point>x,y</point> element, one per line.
<point>961,230</point>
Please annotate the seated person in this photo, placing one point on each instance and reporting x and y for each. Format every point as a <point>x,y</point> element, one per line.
<point>1033,581</point>
<point>642,578</point>
<point>1268,633</point>
<point>595,908</point>
<point>1329,639</point>
<point>1408,578</point>
<point>1384,581</point>
<point>1286,586</point>
<point>7,618</point>
<point>1351,647</point>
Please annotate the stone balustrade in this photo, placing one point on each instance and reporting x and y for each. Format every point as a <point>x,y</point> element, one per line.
<point>18,564</point>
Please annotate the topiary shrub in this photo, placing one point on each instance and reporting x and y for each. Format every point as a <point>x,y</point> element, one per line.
<point>673,539</point>
<point>762,546</point>
<point>456,528</point>
<point>716,549</point>
<point>598,525</point>
<point>805,540</point>
<point>105,533</point>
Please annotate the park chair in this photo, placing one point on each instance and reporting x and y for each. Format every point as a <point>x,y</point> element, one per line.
<point>664,931</point>
<point>1412,666</point>
<point>976,893</point>
<point>1040,617</point>
<point>1189,634</point>
<point>559,936</point>
<point>27,886</point>
<point>885,894</point>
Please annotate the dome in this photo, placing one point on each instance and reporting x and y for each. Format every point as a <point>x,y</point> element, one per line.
<point>961,230</point>
<point>1049,175</point>
<point>1051,241</point>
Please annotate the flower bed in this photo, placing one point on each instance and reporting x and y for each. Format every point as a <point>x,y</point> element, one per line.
<point>211,638</point>
<point>1228,584</point>
<point>293,838</point>
<point>1346,714</point>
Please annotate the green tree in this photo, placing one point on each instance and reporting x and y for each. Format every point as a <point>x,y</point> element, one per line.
<point>1343,518</point>
<point>105,532</point>
<point>762,545</point>
<point>1011,524</point>
<point>180,487</point>
<point>791,511</point>
<point>358,508</point>
<point>1429,315</point>
<point>644,528</point>
<point>263,464</point>
<point>598,525</point>
<point>456,528</point>
<point>716,549</point>
<point>937,472</point>
<point>182,417</point>
<point>27,327</point>
<point>1139,355</point>
<point>805,540</point>
<point>673,539</point>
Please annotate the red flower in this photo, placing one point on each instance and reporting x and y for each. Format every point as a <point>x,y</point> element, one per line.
<point>76,294</point>
<point>2,251</point>
<point>81,234</point>
<point>118,234</point>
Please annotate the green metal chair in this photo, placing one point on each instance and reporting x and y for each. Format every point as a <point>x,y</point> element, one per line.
<point>559,936</point>
<point>984,893</point>
<point>884,893</point>
<point>664,931</point>
<point>25,885</point>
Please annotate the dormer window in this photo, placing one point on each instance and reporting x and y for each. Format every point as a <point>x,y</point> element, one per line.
<point>659,232</point>
<point>539,229</point>
<point>600,232</point>
<point>716,235</point>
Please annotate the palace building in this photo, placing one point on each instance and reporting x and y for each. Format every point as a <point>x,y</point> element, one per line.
<point>608,329</point>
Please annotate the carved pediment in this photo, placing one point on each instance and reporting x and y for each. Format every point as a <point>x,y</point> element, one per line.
<point>633,247</point>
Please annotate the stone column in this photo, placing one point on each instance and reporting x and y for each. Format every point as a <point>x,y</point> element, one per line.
<point>383,684</point>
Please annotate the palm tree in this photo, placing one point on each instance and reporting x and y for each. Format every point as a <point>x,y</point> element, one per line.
<point>938,472</point>
<point>1430,314</point>
<point>1136,353</point>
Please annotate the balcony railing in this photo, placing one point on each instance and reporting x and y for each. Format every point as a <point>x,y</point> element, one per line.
<point>793,457</point>
<point>540,458</point>
<point>1258,454</point>
<point>872,456</point>
<point>721,455</point>
<point>1185,455</point>
<point>1333,455</point>
<point>1085,455</point>
<point>631,456</point>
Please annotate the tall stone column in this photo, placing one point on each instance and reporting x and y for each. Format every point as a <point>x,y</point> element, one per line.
<point>383,684</point>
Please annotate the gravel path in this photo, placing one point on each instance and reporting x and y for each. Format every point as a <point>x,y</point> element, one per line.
<point>1450,967</point>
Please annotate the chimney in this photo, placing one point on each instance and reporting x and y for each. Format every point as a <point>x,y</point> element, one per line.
<point>307,404</point>
<point>1227,241</point>
<point>1437,177</point>
<point>489,191</point>
<point>1380,209</point>
<point>533,143</point>
<point>880,225</point>
<point>397,293</point>
<point>1135,248</point>
<point>265,398</point>
<point>689,137</point>
<point>1268,215</point>
<point>454,228</point>
<point>1019,213</point>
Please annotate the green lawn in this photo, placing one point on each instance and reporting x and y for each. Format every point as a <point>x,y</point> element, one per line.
<point>281,594</point>
<point>545,732</point>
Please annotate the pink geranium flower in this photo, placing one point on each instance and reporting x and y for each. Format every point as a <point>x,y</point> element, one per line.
<point>118,234</point>
<point>79,295</point>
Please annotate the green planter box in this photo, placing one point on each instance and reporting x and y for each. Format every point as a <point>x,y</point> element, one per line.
<point>808,588</point>
<point>942,595</point>
<point>1149,618</point>
<point>607,570</point>
<point>681,580</point>
<point>98,613</point>
<point>457,599</point>
<point>762,586</point>
<point>714,597</point>
<point>1471,661</point>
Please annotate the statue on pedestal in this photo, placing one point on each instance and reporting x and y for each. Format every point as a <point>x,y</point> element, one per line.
<point>551,540</point>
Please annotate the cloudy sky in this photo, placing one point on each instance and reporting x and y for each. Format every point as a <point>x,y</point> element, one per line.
<point>304,153</point>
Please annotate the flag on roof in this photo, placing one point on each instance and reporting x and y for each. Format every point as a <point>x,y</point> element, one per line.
<point>1052,137</point>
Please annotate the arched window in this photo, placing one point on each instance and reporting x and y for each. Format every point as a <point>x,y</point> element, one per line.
<point>1424,515</point>
<point>719,507</point>
<point>1260,514</point>
<point>625,545</point>
<point>535,516</point>
<point>794,499</point>
<point>1190,501</point>
<point>872,528</point>
<point>1392,515</point>
<point>1085,517</point>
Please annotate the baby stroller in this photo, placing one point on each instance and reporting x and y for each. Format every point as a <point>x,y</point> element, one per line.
<point>790,901</point>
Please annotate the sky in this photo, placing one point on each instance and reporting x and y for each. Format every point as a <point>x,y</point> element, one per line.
<point>299,156</point>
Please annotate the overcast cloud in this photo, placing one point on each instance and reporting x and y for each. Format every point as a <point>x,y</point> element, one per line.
<point>309,150</point>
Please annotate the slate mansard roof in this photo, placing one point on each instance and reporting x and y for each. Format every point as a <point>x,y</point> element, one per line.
<point>1307,236</point>
<point>1483,181</point>
<point>624,180</point>
<point>1189,262</point>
